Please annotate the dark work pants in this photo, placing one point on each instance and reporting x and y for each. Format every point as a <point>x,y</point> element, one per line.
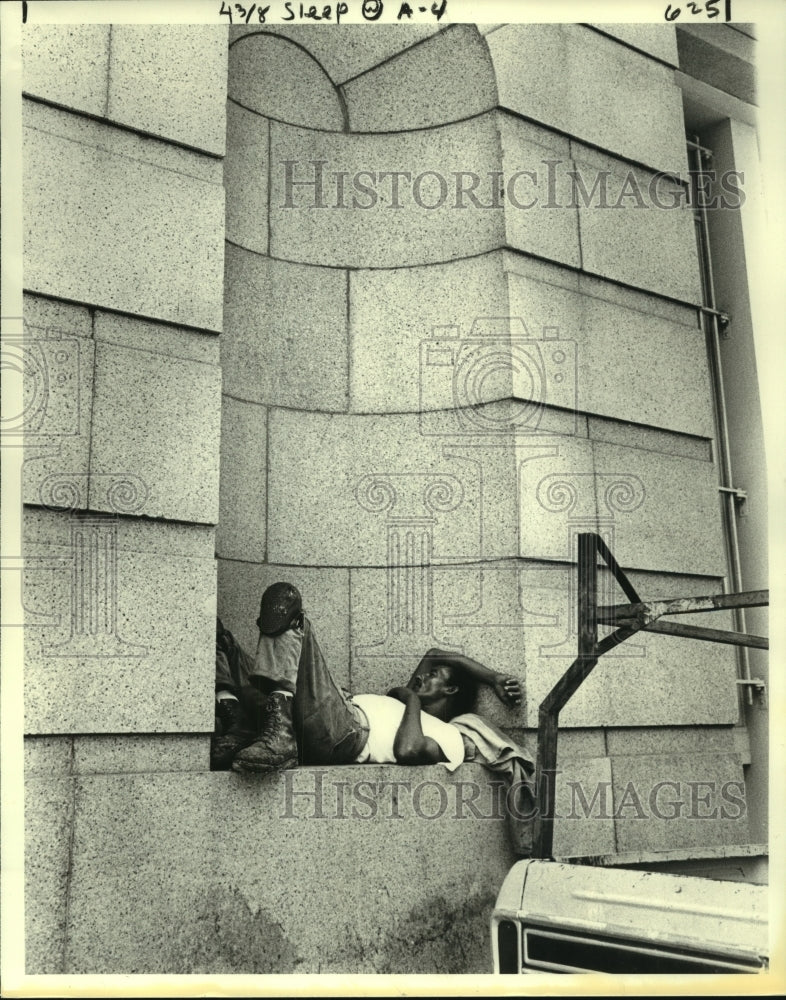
<point>329,728</point>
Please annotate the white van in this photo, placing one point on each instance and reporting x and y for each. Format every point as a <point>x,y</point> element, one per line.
<point>555,917</point>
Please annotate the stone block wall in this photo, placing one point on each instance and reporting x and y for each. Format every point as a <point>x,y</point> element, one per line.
<point>123,274</point>
<point>445,389</point>
<point>124,132</point>
<point>175,870</point>
<point>421,392</point>
<point>452,387</point>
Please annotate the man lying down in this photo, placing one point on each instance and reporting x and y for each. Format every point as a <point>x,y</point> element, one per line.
<point>282,706</point>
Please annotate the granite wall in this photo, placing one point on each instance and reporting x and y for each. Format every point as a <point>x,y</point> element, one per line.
<point>453,340</point>
<point>423,389</point>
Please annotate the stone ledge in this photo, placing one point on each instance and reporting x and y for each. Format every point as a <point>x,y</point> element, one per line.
<point>243,869</point>
<point>110,753</point>
<point>241,889</point>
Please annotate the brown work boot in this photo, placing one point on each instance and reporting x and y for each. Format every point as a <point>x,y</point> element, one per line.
<point>276,748</point>
<point>232,734</point>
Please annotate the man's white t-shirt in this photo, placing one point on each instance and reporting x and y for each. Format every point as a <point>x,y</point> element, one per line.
<point>384,718</point>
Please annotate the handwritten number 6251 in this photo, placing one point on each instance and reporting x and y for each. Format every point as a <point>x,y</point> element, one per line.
<point>709,7</point>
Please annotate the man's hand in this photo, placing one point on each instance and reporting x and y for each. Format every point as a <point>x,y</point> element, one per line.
<point>410,745</point>
<point>401,694</point>
<point>507,689</point>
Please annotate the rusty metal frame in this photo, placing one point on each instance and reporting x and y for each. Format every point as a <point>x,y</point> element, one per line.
<point>626,619</point>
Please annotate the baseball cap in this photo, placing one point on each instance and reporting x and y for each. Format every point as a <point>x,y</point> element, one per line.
<point>281,602</point>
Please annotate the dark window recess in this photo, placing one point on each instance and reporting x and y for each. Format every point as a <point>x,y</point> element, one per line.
<point>543,950</point>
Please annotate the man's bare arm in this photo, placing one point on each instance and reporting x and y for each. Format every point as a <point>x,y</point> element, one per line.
<point>506,687</point>
<point>410,745</point>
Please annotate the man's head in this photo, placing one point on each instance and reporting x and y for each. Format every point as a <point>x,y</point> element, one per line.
<point>445,690</point>
<point>280,609</point>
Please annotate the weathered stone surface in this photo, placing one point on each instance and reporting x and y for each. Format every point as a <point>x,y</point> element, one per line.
<point>626,364</point>
<point>698,740</point>
<point>396,314</point>
<point>447,77</point>
<point>369,473</point>
<point>48,755</point>
<point>184,851</point>
<point>569,78</point>
<point>639,301</point>
<point>242,512</point>
<point>157,420</point>
<point>170,79</point>
<point>48,823</point>
<point>700,803</point>
<point>574,833</point>
<point>325,595</point>
<point>578,742</point>
<point>172,341</point>
<point>343,51</point>
<point>122,141</point>
<point>193,541</point>
<point>57,355</point>
<point>636,436</point>
<point>556,491</point>
<point>130,754</point>
<point>665,510</point>
<point>531,64</point>
<point>246,171</point>
<point>114,618</point>
<point>281,80</point>
<point>658,40</point>
<point>360,225</point>
<point>156,231</point>
<point>628,222</point>
<point>62,317</point>
<point>698,681</point>
<point>67,63</point>
<point>286,332</point>
<point>540,217</point>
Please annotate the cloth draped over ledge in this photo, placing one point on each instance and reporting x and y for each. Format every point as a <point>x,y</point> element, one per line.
<point>498,753</point>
